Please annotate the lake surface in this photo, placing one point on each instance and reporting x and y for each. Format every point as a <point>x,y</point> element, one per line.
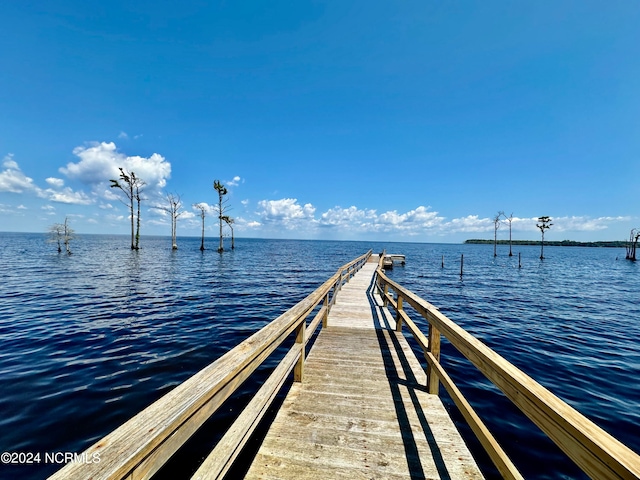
<point>89,340</point>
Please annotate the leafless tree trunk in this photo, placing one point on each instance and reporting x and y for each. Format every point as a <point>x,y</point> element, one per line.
<point>174,210</point>
<point>545,224</point>
<point>61,233</point>
<point>634,236</point>
<point>132,189</point>
<point>222,191</point>
<point>203,210</point>
<point>509,219</point>
<point>496,226</point>
<point>230,221</point>
<point>68,236</point>
<point>56,232</point>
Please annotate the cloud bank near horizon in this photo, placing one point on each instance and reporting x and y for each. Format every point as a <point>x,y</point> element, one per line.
<point>97,162</point>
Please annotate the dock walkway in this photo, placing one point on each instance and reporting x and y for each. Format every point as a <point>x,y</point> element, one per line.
<point>361,410</point>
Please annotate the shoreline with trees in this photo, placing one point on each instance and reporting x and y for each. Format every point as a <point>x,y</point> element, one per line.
<point>553,243</point>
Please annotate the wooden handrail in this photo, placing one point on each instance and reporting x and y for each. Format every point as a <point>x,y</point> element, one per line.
<point>595,451</point>
<point>139,447</point>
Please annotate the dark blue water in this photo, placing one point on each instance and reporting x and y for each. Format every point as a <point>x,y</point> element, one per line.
<point>90,339</point>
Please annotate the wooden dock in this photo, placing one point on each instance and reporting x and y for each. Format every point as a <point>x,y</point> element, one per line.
<point>361,410</point>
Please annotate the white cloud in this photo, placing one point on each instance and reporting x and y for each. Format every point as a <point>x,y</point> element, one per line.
<point>208,209</point>
<point>65,196</point>
<point>55,182</point>
<point>49,209</point>
<point>584,224</point>
<point>123,135</point>
<point>12,179</point>
<point>286,212</point>
<point>115,218</point>
<point>99,162</point>
<point>470,223</point>
<point>9,163</point>
<point>415,220</point>
<point>347,217</point>
<point>158,222</point>
<point>234,183</point>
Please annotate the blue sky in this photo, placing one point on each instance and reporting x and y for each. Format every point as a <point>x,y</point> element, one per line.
<point>407,121</point>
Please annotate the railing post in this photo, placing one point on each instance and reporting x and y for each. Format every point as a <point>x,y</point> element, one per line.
<point>385,292</point>
<point>298,370</point>
<point>326,311</point>
<point>399,313</point>
<point>433,384</point>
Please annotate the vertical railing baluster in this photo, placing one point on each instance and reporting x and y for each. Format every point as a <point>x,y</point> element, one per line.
<point>399,313</point>
<point>433,384</point>
<point>326,310</point>
<point>298,371</point>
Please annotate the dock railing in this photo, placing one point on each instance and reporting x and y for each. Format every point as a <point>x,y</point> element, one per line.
<point>595,451</point>
<point>142,445</point>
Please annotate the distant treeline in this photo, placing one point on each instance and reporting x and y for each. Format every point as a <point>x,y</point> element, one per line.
<point>563,243</point>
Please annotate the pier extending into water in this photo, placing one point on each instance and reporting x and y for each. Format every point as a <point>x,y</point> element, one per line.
<point>361,405</point>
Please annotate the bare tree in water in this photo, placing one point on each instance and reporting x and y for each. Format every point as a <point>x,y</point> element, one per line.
<point>69,235</point>
<point>203,207</point>
<point>509,219</point>
<point>634,236</point>
<point>545,224</point>
<point>496,226</point>
<point>230,221</point>
<point>132,187</point>
<point>221,208</point>
<point>56,233</point>
<point>61,233</point>
<point>174,210</point>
